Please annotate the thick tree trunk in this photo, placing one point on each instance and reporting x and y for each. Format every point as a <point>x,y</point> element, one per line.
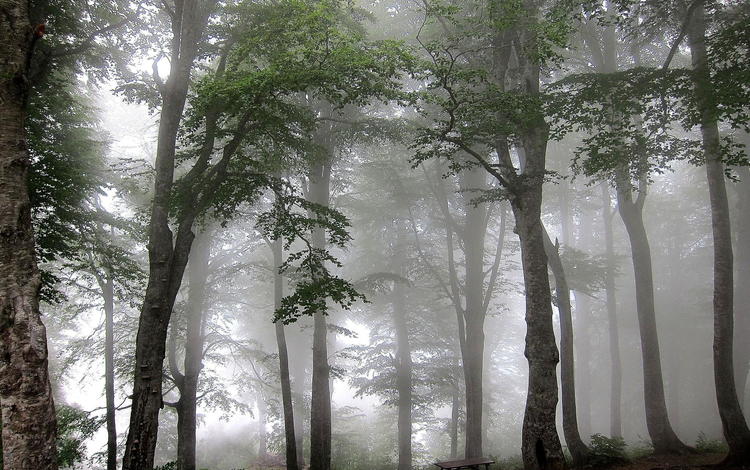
<point>320,413</point>
<point>167,261</point>
<point>403,378</point>
<point>109,369</point>
<point>735,427</point>
<point>742,284</point>
<point>660,430</point>
<point>286,383</point>
<point>615,407</point>
<point>28,412</point>
<point>474,180</point>
<point>578,450</point>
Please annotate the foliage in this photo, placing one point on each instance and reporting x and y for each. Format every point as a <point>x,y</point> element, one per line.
<point>607,451</point>
<point>74,428</point>
<point>706,445</point>
<point>167,466</point>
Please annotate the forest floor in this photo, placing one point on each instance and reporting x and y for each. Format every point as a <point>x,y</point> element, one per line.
<point>672,462</point>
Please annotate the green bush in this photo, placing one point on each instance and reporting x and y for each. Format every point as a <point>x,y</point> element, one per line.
<point>167,466</point>
<point>607,451</point>
<point>705,445</point>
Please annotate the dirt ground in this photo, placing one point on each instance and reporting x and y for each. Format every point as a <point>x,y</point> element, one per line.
<point>688,462</point>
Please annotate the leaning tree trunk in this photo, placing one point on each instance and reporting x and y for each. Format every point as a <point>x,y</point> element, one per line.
<point>733,422</point>
<point>167,261</point>
<point>660,430</point>
<point>578,450</point>
<point>28,412</point>
<point>615,407</point>
<point>320,413</point>
<point>474,181</point>
<point>286,383</point>
<point>742,284</point>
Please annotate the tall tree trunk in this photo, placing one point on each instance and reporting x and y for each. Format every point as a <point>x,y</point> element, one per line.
<point>455,415</point>
<point>615,407</point>
<point>578,450</point>
<point>109,368</point>
<point>167,261</point>
<point>403,378</point>
<point>298,403</point>
<point>742,284</point>
<point>583,328</point>
<point>473,181</point>
<point>262,434</point>
<point>194,342</point>
<point>28,411</point>
<point>733,422</point>
<point>286,383</point>
<point>660,430</point>
<point>320,413</point>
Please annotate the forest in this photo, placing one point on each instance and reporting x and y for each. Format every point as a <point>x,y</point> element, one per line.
<point>374,234</point>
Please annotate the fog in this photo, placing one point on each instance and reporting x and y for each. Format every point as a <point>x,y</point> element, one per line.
<point>380,235</point>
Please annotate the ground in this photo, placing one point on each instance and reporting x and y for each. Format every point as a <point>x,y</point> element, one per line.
<point>671,462</point>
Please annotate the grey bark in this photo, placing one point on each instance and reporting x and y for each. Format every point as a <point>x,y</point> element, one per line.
<point>28,412</point>
<point>403,378</point>
<point>109,368</point>
<point>735,427</point>
<point>615,393</point>
<point>320,409</point>
<point>262,434</point>
<point>167,256</point>
<point>742,284</point>
<point>286,384</point>
<point>455,415</point>
<point>578,450</point>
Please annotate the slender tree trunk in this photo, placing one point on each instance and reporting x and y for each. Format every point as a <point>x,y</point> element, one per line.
<point>403,378</point>
<point>320,413</point>
<point>286,383</point>
<point>194,342</point>
<point>578,450</point>
<point>583,328</point>
<point>660,430</point>
<point>28,411</point>
<point>615,407</point>
<point>733,422</point>
<point>167,261</point>
<point>474,180</point>
<point>742,284</point>
<point>109,369</point>
<point>455,415</point>
<point>262,434</point>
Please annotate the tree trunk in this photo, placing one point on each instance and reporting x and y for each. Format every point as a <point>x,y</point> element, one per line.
<point>735,427</point>
<point>28,412</point>
<point>109,369</point>
<point>472,181</point>
<point>320,413</point>
<point>660,430</point>
<point>455,415</point>
<point>583,326</point>
<point>286,383</point>
<point>403,378</point>
<point>742,284</point>
<point>166,261</point>
<point>615,407</point>
<point>194,342</point>
<point>298,402</point>
<point>262,434</point>
<point>578,450</point>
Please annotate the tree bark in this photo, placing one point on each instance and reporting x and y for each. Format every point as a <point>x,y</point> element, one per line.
<point>578,450</point>
<point>262,434</point>
<point>735,427</point>
<point>584,323</point>
<point>660,430</point>
<point>742,284</point>
<point>109,368</point>
<point>403,378</point>
<point>286,383</point>
<point>455,415</point>
<point>475,227</point>
<point>615,405</point>
<point>320,413</point>
<point>28,412</point>
<point>167,261</point>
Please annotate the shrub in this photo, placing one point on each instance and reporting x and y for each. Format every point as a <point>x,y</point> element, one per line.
<point>705,445</point>
<point>607,451</point>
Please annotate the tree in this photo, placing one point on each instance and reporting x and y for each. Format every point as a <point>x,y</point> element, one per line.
<point>735,426</point>
<point>25,392</point>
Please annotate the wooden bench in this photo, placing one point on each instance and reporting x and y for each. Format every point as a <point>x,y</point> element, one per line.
<point>467,463</point>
